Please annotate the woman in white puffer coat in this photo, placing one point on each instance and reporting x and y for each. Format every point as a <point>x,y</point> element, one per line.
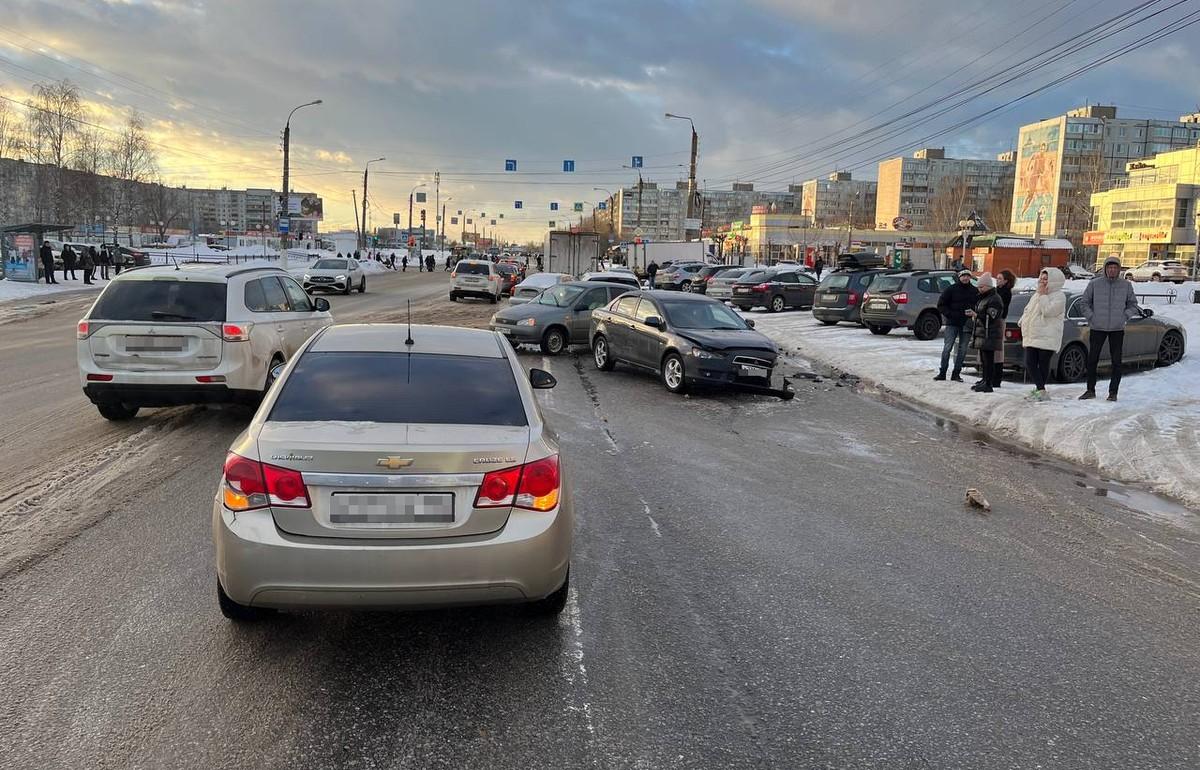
<point>1042,328</point>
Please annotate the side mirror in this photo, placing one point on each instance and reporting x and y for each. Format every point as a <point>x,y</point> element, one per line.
<point>654,322</point>
<point>320,305</point>
<point>541,379</point>
<point>749,322</point>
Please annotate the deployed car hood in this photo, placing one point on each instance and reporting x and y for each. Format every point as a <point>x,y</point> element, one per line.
<point>718,339</point>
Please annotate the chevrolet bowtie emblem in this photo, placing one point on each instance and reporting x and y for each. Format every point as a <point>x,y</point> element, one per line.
<point>393,463</point>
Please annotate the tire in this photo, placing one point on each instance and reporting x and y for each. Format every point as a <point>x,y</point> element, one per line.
<point>1170,348</point>
<point>1129,276</point>
<point>880,330</point>
<point>117,412</point>
<point>1072,363</point>
<point>493,299</point>
<point>927,326</point>
<point>346,291</point>
<point>686,286</point>
<point>270,380</point>
<point>362,285</point>
<point>602,355</point>
<point>1156,278</point>
<point>453,297</point>
<point>778,303</point>
<point>673,374</point>
<point>553,604</point>
<point>827,323</point>
<point>554,341</point>
<point>239,612</point>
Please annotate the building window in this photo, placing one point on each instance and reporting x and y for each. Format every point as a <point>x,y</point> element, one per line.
<point>1162,131</point>
<point>1181,212</point>
<point>1074,128</point>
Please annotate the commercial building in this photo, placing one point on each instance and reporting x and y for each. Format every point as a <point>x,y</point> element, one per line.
<point>255,210</point>
<point>768,237</point>
<point>1151,213</point>
<point>1062,161</point>
<point>837,200</point>
<point>932,192</point>
<point>658,212</point>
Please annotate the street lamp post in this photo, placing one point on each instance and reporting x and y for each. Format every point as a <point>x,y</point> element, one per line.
<point>442,229</point>
<point>410,202</point>
<point>283,210</point>
<point>691,191</point>
<point>362,236</point>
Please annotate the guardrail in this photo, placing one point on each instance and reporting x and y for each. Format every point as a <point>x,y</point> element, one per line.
<point>1170,295</point>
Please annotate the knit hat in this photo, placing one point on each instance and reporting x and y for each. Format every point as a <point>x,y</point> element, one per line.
<point>986,281</point>
<point>963,272</point>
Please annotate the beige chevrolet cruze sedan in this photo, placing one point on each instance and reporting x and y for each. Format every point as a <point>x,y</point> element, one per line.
<point>385,470</point>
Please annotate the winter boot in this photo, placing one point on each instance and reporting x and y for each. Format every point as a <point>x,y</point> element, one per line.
<point>997,375</point>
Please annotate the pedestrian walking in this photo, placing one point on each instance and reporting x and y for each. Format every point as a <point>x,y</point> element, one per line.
<point>68,260</point>
<point>448,263</point>
<point>953,304</point>
<point>1108,303</point>
<point>1042,329</point>
<point>47,255</point>
<point>652,272</point>
<point>987,329</point>
<point>404,264</point>
<point>88,263</point>
<point>539,261</point>
<point>818,267</point>
<point>429,263</point>
<point>105,259</point>
<point>118,259</point>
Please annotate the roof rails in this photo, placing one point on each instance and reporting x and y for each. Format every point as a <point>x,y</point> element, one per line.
<point>245,270</point>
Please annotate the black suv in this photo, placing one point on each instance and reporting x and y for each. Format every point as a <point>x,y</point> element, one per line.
<point>839,297</point>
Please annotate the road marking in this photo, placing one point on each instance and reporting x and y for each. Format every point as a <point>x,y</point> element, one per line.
<point>574,669</point>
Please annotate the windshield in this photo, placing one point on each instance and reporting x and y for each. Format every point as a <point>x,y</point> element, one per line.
<point>731,274</point>
<point>888,284</point>
<point>836,282</point>
<point>472,268</point>
<point>686,314</point>
<point>559,296</point>
<point>754,275</point>
<point>330,264</point>
<point>161,300</point>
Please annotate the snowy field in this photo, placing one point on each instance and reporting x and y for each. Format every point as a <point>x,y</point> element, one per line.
<point>1150,435</point>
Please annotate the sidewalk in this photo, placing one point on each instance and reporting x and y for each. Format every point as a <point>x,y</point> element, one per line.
<point>1149,436</point>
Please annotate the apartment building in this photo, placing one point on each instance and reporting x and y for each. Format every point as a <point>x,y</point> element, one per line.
<point>932,192</point>
<point>658,212</point>
<point>835,200</point>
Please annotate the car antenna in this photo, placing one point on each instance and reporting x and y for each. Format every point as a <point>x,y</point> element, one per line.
<point>409,341</point>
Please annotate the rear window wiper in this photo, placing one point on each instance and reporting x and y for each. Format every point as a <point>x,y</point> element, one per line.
<point>165,314</point>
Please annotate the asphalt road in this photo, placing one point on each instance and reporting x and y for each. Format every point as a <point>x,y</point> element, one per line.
<point>756,584</point>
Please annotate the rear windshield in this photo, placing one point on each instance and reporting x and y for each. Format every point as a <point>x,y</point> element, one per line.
<point>330,264</point>
<point>754,275</point>
<point>836,282</point>
<point>161,300</point>
<point>888,283</point>
<point>1172,263</point>
<point>400,388</point>
<point>472,268</point>
<point>506,269</point>
<point>732,273</point>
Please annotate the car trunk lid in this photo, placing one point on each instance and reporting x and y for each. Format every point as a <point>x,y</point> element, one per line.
<point>155,347</point>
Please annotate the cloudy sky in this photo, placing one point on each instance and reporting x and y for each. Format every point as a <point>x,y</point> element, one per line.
<point>780,90</point>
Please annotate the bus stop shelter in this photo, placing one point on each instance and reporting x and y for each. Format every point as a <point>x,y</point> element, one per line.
<point>19,246</point>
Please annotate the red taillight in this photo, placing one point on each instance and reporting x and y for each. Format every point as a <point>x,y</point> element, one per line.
<point>900,299</point>
<point>866,296</point>
<point>533,486</point>
<point>852,298</point>
<point>1012,334</point>
<point>235,332</point>
<point>249,484</point>
<point>99,378</point>
<point>209,378</point>
<point>763,287</point>
<point>82,330</point>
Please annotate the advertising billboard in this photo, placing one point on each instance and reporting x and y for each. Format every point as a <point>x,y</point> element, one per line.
<point>306,206</point>
<point>1037,174</point>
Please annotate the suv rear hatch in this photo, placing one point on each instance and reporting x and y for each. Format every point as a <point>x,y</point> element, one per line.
<point>156,324</point>
<point>881,295</point>
<point>395,445</point>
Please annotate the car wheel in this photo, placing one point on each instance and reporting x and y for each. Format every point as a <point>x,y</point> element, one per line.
<point>601,354</point>
<point>1156,277</point>
<point>117,412</point>
<point>554,341</point>
<point>877,329</point>
<point>362,285</point>
<point>453,297</point>
<point>687,286</point>
<point>672,373</point>
<point>1170,349</point>
<point>493,298</point>
<point>1129,276</point>
<point>555,603</point>
<point>777,304</point>
<point>346,290</point>
<point>927,327</point>
<point>270,380</point>
<point>1072,363</point>
<point>827,323</point>
<point>239,612</point>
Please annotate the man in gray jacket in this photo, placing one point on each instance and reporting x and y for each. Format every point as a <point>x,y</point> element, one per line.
<point>1108,303</point>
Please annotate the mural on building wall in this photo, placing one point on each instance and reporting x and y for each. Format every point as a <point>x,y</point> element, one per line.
<point>1037,174</point>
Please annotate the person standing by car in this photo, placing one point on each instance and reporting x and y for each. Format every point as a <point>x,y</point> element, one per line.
<point>987,333</point>
<point>819,267</point>
<point>651,272</point>
<point>88,263</point>
<point>103,257</point>
<point>47,255</point>
<point>1042,329</point>
<point>1005,280</point>
<point>68,260</point>
<point>1108,303</point>
<point>954,303</point>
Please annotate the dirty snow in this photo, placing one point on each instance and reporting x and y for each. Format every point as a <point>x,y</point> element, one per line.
<point>1150,435</point>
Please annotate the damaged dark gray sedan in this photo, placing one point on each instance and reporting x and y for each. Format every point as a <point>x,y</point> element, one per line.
<point>688,340</point>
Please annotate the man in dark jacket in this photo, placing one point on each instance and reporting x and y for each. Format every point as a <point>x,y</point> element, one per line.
<point>987,335</point>
<point>818,267</point>
<point>88,263</point>
<point>68,260</point>
<point>1108,303</point>
<point>954,303</point>
<point>47,255</point>
<point>652,272</point>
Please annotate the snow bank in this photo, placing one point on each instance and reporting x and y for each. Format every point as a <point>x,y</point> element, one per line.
<point>18,290</point>
<point>1151,435</point>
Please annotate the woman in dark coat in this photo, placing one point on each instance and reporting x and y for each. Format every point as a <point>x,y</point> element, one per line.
<point>988,334</point>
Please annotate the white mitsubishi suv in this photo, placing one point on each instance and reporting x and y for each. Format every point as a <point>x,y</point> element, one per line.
<point>164,336</point>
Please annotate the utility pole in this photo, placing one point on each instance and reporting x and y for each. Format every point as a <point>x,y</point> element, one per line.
<point>362,236</point>
<point>283,209</point>
<point>437,201</point>
<point>691,189</point>
<point>354,205</point>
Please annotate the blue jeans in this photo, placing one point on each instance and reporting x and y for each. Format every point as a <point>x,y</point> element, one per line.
<point>950,335</point>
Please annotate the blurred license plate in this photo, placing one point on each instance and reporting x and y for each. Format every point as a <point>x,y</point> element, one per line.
<point>879,304</point>
<point>136,343</point>
<point>829,297</point>
<point>390,509</point>
<point>742,290</point>
<point>753,371</point>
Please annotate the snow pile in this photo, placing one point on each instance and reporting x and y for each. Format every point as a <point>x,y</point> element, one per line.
<point>10,290</point>
<point>1150,435</point>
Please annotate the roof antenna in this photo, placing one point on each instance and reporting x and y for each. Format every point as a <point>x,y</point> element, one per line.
<point>409,341</point>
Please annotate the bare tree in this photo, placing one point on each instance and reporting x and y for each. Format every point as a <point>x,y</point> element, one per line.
<point>55,113</point>
<point>12,129</point>
<point>1091,178</point>
<point>131,160</point>
<point>999,210</point>
<point>163,207</point>
<point>948,206</point>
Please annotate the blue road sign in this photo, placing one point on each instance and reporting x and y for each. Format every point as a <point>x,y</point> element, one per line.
<point>553,206</point>
<point>284,224</point>
<point>579,207</point>
<point>510,165</point>
<point>637,161</point>
<point>602,205</point>
<point>568,165</point>
<point>420,197</point>
<point>517,204</point>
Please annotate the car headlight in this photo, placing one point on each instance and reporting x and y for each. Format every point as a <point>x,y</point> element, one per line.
<point>701,353</point>
<point>527,322</point>
<point>341,277</point>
